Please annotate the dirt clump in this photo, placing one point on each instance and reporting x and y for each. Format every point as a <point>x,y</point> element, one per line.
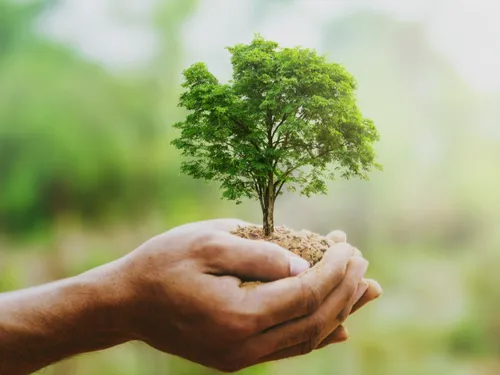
<point>309,246</point>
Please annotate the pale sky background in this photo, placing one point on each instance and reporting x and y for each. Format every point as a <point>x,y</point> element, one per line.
<point>467,32</point>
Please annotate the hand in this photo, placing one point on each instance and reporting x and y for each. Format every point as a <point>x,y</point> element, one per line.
<point>181,294</point>
<point>369,291</point>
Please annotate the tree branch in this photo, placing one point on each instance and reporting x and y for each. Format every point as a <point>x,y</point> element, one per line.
<point>282,179</point>
<point>241,124</point>
<point>269,124</point>
<point>285,117</point>
<point>285,141</point>
<point>278,185</point>
<point>259,193</point>
<point>278,191</point>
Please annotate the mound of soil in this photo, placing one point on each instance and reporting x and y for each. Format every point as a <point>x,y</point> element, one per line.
<point>308,245</point>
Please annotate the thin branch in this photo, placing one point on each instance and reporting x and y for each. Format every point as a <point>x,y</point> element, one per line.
<point>278,185</point>
<point>279,188</point>
<point>241,124</point>
<point>269,124</point>
<point>322,154</point>
<point>279,140</point>
<point>286,174</point>
<point>285,117</point>
<point>259,193</point>
<point>283,141</point>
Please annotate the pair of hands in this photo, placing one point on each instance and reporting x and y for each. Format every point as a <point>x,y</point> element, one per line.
<point>181,293</point>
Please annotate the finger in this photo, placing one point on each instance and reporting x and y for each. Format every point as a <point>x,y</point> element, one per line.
<point>311,330</point>
<point>339,335</point>
<point>373,292</point>
<point>361,289</point>
<point>337,236</point>
<point>296,297</point>
<point>251,260</point>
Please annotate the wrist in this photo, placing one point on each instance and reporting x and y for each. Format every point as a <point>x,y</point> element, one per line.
<point>88,314</point>
<point>110,300</point>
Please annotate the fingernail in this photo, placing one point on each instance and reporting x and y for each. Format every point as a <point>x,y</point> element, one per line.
<point>298,265</point>
<point>362,288</point>
<point>361,267</point>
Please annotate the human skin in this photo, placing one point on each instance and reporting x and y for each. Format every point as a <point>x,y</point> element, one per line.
<point>181,293</point>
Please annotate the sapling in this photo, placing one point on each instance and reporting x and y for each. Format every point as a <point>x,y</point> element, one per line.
<point>288,119</point>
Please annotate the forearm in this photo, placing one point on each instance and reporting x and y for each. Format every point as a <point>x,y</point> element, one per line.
<point>42,325</point>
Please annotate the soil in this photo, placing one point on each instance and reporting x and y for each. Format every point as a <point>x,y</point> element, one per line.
<point>308,245</point>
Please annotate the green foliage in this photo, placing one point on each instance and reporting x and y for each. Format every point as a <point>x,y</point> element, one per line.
<point>435,317</point>
<point>73,138</point>
<point>287,118</point>
<point>16,22</point>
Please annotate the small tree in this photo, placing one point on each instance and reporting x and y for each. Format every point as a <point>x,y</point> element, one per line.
<point>288,118</point>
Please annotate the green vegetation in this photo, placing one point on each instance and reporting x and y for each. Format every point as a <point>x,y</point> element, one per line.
<point>428,224</point>
<point>67,129</point>
<point>287,119</point>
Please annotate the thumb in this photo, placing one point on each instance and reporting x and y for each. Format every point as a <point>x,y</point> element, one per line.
<point>256,260</point>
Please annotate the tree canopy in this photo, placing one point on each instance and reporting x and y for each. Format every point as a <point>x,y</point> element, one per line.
<point>287,119</point>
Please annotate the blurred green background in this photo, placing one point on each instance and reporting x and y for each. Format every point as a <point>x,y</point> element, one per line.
<point>88,93</point>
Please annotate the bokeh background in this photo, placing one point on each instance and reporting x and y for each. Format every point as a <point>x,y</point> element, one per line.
<point>88,93</point>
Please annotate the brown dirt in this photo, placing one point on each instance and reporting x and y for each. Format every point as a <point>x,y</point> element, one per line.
<point>308,245</point>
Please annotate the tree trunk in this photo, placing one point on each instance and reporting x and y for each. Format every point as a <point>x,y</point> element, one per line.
<point>269,213</point>
<point>268,222</point>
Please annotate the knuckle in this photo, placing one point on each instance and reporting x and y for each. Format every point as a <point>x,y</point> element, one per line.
<point>241,327</point>
<point>314,332</point>
<point>349,290</point>
<point>342,317</point>
<point>206,244</point>
<point>306,347</point>
<point>240,323</point>
<point>253,322</point>
<point>311,295</point>
<point>338,273</point>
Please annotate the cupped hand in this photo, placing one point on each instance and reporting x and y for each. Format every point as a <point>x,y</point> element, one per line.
<point>367,292</point>
<point>183,296</point>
